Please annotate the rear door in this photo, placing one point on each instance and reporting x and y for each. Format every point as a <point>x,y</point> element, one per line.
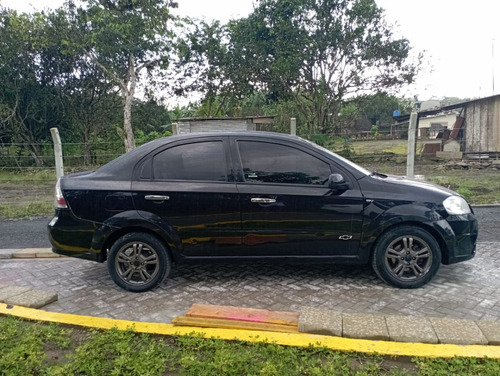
<point>288,208</point>
<point>190,186</point>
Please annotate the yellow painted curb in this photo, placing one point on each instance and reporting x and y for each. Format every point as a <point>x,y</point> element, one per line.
<point>287,339</point>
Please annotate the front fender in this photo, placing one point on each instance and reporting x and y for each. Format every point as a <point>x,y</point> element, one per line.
<point>379,218</point>
<point>114,227</point>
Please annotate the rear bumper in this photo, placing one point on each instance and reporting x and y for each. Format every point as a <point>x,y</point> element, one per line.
<point>72,236</point>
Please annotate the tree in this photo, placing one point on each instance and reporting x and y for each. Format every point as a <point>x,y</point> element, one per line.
<point>29,65</point>
<point>126,39</point>
<point>208,64</point>
<point>320,52</point>
<point>378,108</point>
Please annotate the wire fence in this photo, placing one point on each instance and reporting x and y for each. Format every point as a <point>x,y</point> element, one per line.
<point>28,178</point>
<point>28,172</point>
<point>18,156</point>
<point>360,147</point>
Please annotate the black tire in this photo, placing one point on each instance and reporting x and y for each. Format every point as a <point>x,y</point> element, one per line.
<point>406,257</point>
<point>138,262</point>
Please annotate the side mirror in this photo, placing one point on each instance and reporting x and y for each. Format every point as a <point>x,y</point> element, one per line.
<point>337,182</point>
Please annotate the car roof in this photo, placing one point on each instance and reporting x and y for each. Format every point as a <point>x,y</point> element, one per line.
<point>121,167</point>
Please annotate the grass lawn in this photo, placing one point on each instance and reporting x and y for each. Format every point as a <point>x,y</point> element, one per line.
<point>28,348</point>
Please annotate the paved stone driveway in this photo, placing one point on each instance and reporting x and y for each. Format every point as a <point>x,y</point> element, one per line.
<point>468,290</point>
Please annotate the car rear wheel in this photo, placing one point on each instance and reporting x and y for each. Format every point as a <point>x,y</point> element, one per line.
<point>138,262</point>
<point>406,257</point>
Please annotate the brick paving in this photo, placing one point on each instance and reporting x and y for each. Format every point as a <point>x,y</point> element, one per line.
<point>469,290</point>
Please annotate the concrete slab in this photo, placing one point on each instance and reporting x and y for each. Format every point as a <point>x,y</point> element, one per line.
<point>457,331</point>
<point>410,329</point>
<point>491,330</point>
<point>25,253</point>
<point>35,252</point>
<point>357,325</point>
<point>320,321</point>
<point>8,292</point>
<point>32,298</point>
<point>47,253</point>
<point>7,253</point>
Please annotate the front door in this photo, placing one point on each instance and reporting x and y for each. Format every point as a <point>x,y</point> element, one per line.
<point>288,208</point>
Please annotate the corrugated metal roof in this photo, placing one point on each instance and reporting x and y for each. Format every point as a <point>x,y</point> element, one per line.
<point>403,118</point>
<point>226,118</point>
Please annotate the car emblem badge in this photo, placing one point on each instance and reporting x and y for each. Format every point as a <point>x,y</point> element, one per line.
<point>345,237</point>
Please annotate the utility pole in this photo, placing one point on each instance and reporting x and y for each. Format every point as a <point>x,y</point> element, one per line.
<point>493,65</point>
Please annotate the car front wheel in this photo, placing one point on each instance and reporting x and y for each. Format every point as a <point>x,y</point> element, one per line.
<point>406,257</point>
<point>138,262</point>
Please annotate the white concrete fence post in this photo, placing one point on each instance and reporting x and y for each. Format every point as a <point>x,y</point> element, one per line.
<point>293,126</point>
<point>175,129</point>
<point>56,139</point>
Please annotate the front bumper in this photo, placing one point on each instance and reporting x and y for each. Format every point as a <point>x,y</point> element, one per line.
<point>461,233</point>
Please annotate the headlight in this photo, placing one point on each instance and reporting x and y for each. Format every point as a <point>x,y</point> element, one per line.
<point>456,205</point>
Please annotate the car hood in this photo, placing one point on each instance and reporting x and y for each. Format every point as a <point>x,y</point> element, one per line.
<point>419,184</point>
<point>403,188</point>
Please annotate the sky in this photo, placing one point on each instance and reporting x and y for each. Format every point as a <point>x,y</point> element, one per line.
<point>460,39</point>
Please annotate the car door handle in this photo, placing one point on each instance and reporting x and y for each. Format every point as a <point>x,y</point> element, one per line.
<point>260,200</point>
<point>156,198</point>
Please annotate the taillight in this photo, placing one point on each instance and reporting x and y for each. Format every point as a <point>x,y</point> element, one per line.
<point>60,201</point>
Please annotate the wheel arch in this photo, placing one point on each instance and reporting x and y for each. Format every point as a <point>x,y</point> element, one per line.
<point>114,236</point>
<point>424,226</point>
<point>115,227</point>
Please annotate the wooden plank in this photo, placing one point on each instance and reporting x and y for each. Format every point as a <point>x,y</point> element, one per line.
<point>232,324</point>
<point>243,314</point>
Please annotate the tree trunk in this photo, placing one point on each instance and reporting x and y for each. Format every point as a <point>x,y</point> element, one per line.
<point>129,138</point>
<point>34,150</point>
<point>128,90</point>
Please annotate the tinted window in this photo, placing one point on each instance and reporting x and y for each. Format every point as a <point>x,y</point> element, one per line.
<point>196,161</point>
<point>274,163</point>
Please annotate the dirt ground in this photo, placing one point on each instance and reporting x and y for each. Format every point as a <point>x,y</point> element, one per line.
<point>23,193</point>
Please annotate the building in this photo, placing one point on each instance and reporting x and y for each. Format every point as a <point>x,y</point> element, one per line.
<point>196,125</point>
<point>472,127</point>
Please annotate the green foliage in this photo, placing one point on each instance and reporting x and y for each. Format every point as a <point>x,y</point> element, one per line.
<point>347,149</point>
<point>209,64</point>
<point>32,209</point>
<point>116,352</point>
<point>142,138</point>
<point>466,192</point>
<point>150,116</point>
<point>320,52</point>
<point>378,108</point>
<point>477,186</point>
<point>22,346</point>
<point>457,366</point>
<point>29,67</point>
<point>125,40</point>
<point>78,67</point>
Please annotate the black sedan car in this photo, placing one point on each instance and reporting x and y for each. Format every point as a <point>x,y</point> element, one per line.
<point>255,196</point>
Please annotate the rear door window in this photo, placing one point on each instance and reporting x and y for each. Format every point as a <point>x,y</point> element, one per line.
<point>202,161</point>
